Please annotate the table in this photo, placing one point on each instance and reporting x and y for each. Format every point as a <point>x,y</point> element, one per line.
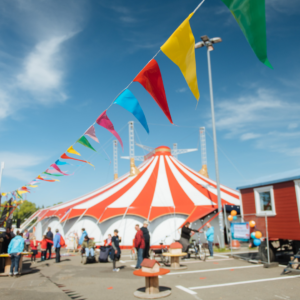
<point>152,290</point>
<point>8,263</point>
<point>175,263</point>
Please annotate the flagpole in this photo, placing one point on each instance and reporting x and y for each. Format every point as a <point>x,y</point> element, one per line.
<point>208,43</point>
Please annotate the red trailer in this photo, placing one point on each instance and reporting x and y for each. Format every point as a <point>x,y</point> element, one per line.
<point>280,201</point>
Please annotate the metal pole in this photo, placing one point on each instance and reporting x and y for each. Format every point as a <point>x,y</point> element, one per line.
<point>215,150</point>
<point>267,238</point>
<point>1,170</point>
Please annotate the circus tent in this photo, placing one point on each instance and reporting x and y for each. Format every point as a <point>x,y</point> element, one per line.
<point>166,192</point>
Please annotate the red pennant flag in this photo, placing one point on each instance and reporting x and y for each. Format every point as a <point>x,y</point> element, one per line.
<point>150,78</point>
<point>65,156</point>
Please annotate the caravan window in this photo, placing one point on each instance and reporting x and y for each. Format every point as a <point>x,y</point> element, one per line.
<point>264,201</point>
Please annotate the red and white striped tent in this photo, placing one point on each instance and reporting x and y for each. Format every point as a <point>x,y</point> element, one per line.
<point>166,192</point>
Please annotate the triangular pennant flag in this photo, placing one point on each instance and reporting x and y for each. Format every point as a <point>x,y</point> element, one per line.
<point>251,17</point>
<point>129,102</point>
<point>49,180</point>
<point>180,48</point>
<point>19,195</point>
<point>4,194</point>
<point>58,162</point>
<point>22,192</point>
<point>150,78</point>
<point>65,156</point>
<point>56,175</point>
<point>105,122</point>
<point>84,141</point>
<point>92,133</point>
<point>73,151</point>
<point>59,170</point>
<point>33,186</point>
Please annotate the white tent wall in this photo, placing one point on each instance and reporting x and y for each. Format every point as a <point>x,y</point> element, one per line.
<point>165,229</point>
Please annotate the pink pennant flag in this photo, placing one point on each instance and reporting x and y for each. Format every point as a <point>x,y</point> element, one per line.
<point>59,170</point>
<point>92,134</point>
<point>50,171</point>
<point>105,122</point>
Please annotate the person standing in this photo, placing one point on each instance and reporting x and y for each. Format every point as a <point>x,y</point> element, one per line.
<point>84,233</point>
<point>56,244</point>
<point>185,237</point>
<point>146,239</point>
<point>12,234</point>
<point>49,236</point>
<point>139,244</point>
<point>6,240</point>
<point>210,239</point>
<point>33,248</point>
<point>15,248</point>
<point>26,238</point>
<point>116,252</point>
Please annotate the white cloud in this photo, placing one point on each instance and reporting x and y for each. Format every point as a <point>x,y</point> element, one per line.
<point>293,125</point>
<point>249,136</point>
<point>43,70</point>
<point>18,165</point>
<point>261,109</point>
<point>37,73</point>
<point>181,90</point>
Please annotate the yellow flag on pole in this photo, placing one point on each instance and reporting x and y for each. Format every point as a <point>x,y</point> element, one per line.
<point>180,48</point>
<point>73,151</point>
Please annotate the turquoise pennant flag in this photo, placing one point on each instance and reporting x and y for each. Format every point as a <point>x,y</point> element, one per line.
<point>130,103</point>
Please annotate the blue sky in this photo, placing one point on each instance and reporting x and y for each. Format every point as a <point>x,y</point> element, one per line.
<point>63,62</point>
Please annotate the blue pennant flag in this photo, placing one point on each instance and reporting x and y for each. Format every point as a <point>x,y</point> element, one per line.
<point>130,103</point>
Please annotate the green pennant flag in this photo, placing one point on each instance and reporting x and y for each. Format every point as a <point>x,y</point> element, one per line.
<point>251,17</point>
<point>57,175</point>
<point>83,141</point>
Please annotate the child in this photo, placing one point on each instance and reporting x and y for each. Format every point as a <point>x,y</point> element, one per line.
<point>107,242</point>
<point>116,252</point>
<point>44,247</point>
<point>33,246</point>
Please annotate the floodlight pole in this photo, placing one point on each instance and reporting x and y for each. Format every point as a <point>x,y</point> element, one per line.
<point>208,43</point>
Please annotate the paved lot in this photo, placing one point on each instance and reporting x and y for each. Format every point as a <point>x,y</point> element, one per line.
<point>222,278</point>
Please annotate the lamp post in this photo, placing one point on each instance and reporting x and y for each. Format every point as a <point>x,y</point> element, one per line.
<point>208,43</point>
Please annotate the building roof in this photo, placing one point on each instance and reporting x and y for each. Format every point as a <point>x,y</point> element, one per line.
<point>164,186</point>
<point>272,179</point>
<point>149,263</point>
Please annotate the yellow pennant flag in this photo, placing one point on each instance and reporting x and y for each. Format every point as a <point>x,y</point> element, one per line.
<point>180,48</point>
<point>73,151</point>
<point>22,192</point>
<point>33,186</point>
<point>4,194</point>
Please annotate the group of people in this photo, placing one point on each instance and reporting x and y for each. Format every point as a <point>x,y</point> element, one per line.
<point>15,244</point>
<point>141,242</point>
<point>88,246</point>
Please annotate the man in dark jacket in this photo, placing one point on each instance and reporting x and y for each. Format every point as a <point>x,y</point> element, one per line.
<point>6,241</point>
<point>146,239</point>
<point>49,236</point>
<point>185,236</point>
<point>139,244</point>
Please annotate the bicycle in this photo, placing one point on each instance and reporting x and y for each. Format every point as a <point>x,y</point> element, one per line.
<point>159,252</point>
<point>198,249</point>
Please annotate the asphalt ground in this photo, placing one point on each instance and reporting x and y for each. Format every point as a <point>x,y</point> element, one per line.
<point>222,278</point>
